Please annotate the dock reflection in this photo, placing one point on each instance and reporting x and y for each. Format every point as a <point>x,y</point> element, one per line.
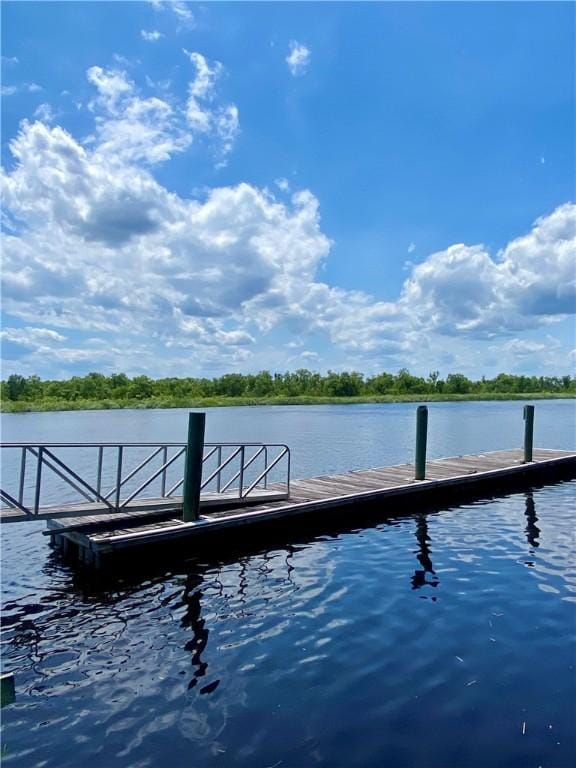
<point>426,575</point>
<point>532,531</point>
<point>80,604</point>
<point>192,599</point>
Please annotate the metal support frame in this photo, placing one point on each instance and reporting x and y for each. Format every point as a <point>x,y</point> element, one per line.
<point>240,469</point>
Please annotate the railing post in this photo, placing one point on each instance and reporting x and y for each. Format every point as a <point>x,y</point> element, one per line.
<point>421,436</point>
<point>22,476</point>
<point>193,466</point>
<point>219,475</point>
<point>119,477</point>
<point>38,480</point>
<point>528,432</point>
<point>241,480</point>
<point>164,460</point>
<point>99,470</point>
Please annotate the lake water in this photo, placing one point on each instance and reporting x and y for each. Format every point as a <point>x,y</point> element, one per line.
<point>439,640</point>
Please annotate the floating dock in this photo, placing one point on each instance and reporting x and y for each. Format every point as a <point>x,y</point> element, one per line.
<point>131,496</point>
<point>93,537</point>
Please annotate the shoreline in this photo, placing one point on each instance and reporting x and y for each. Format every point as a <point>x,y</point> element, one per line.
<point>156,403</point>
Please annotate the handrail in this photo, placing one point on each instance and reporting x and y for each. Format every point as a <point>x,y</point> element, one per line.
<point>60,474</point>
<point>153,477</point>
<point>70,471</point>
<point>13,503</point>
<point>221,467</point>
<point>246,465</point>
<point>145,444</point>
<point>226,465</point>
<point>273,464</point>
<point>134,471</point>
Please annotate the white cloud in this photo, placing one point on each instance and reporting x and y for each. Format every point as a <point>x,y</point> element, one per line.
<point>411,248</point>
<point>180,9</point>
<point>112,87</point>
<point>31,336</point>
<point>202,114</point>
<point>10,61</point>
<point>133,128</point>
<point>94,244</point>
<point>123,61</point>
<point>202,87</point>
<point>463,290</point>
<point>10,90</point>
<point>103,246</point>
<point>298,58</point>
<point>44,112</point>
<point>227,127</point>
<point>151,36</point>
<point>529,347</point>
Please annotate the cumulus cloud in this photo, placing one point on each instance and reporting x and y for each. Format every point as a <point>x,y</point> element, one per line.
<point>298,58</point>
<point>95,245</point>
<point>131,128</point>
<point>464,290</point>
<point>137,129</point>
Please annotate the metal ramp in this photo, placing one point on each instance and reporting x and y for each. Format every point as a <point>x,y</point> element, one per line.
<point>56,480</point>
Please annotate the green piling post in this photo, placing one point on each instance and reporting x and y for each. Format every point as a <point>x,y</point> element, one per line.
<point>528,432</point>
<point>421,436</point>
<point>193,466</point>
<point>7,689</point>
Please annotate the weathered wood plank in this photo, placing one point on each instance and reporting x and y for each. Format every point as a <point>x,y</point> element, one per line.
<point>136,509</point>
<point>322,493</point>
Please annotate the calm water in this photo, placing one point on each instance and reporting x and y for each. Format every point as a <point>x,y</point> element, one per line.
<point>439,640</point>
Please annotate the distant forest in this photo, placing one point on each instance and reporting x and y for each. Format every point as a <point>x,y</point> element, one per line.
<point>119,388</point>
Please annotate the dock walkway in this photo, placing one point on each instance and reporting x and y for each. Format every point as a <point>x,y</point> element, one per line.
<point>479,474</point>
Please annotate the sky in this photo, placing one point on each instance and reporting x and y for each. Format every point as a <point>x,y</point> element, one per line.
<point>191,189</point>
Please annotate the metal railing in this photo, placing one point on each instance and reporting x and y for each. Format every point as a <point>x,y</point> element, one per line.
<point>112,475</point>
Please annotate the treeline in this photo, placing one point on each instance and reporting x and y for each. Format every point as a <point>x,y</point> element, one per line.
<point>301,383</point>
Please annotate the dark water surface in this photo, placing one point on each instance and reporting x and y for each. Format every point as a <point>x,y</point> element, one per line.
<point>442,639</point>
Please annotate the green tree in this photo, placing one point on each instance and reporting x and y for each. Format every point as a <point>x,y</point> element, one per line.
<point>15,387</point>
<point>457,384</point>
<point>141,387</point>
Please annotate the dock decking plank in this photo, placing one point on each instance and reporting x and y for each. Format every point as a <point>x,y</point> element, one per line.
<point>89,511</point>
<point>317,493</point>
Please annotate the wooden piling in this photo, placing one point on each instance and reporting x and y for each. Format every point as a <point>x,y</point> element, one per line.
<point>193,467</point>
<point>528,432</point>
<point>421,438</point>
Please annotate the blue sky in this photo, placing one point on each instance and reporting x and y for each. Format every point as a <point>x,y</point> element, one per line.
<point>191,189</point>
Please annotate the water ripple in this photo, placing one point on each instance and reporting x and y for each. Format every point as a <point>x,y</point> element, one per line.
<point>440,640</point>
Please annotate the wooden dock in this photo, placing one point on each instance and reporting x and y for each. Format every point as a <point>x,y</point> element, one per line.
<point>91,512</point>
<point>475,475</point>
